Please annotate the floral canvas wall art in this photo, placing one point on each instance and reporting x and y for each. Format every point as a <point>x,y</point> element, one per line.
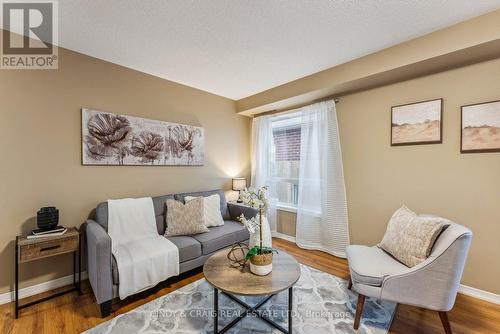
<point>112,139</point>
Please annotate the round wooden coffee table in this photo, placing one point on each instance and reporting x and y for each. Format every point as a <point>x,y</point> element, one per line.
<point>234,281</point>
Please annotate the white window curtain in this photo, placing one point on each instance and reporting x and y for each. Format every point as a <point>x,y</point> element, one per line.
<point>263,161</point>
<point>322,206</point>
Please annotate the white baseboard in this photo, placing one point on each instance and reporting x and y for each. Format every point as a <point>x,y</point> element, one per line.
<point>67,280</point>
<point>39,288</point>
<point>283,236</point>
<point>479,294</point>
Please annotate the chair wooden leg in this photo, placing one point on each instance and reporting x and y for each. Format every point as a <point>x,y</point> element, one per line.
<point>349,286</point>
<point>445,322</point>
<point>359,311</point>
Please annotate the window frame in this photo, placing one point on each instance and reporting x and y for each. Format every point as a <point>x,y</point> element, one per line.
<point>282,122</point>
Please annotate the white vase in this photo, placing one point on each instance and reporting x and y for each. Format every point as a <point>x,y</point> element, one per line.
<point>267,240</point>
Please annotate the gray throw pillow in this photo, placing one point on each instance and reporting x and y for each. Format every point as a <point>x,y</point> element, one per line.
<point>185,219</point>
<point>409,237</point>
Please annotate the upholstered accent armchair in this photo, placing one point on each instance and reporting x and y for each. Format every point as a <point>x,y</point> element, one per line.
<point>432,284</point>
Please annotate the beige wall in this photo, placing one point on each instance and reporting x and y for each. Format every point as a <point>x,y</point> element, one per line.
<point>285,222</point>
<point>40,150</point>
<point>428,178</point>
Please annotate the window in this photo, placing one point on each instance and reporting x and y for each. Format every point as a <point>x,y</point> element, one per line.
<point>286,135</point>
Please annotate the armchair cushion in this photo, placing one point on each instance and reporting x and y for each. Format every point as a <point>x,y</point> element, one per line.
<point>371,265</point>
<point>410,238</point>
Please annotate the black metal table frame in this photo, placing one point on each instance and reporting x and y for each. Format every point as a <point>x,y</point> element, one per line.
<point>76,284</point>
<point>250,310</point>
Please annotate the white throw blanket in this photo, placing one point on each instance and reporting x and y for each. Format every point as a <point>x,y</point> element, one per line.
<point>144,257</point>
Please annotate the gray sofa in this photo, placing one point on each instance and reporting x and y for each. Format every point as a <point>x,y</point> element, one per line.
<point>193,250</point>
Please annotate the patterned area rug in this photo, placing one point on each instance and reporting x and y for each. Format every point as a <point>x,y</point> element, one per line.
<point>322,304</point>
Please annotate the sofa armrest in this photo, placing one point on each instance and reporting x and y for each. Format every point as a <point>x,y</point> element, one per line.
<point>99,261</point>
<point>238,209</point>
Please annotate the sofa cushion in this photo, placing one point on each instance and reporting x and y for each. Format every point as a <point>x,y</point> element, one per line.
<point>101,213</point>
<point>223,203</point>
<point>159,203</point>
<point>370,265</point>
<point>222,236</point>
<point>188,247</point>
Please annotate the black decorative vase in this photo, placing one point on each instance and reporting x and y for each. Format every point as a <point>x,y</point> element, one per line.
<point>47,218</point>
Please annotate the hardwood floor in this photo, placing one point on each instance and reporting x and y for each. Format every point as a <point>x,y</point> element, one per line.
<point>73,314</point>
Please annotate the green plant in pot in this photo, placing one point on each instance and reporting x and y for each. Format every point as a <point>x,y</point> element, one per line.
<point>260,257</point>
<point>260,253</point>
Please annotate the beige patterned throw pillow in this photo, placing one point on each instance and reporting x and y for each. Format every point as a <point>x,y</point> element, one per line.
<point>185,219</point>
<point>409,237</point>
<point>211,209</point>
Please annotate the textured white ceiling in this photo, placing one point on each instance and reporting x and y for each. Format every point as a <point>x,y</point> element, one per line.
<point>236,48</point>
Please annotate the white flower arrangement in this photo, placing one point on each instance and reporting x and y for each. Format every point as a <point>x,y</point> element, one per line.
<point>252,225</point>
<point>256,198</point>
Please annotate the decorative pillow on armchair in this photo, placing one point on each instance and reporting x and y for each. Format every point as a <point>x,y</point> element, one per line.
<point>211,209</point>
<point>185,219</point>
<point>409,237</point>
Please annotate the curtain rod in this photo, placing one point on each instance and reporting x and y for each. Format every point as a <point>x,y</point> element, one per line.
<point>277,112</point>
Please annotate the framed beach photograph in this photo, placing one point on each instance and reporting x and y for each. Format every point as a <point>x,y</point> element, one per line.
<point>417,123</point>
<point>480,128</point>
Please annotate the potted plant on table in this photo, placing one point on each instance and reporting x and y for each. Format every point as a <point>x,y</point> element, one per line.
<point>259,255</point>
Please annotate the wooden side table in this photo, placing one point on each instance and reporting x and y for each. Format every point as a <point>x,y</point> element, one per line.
<point>28,250</point>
